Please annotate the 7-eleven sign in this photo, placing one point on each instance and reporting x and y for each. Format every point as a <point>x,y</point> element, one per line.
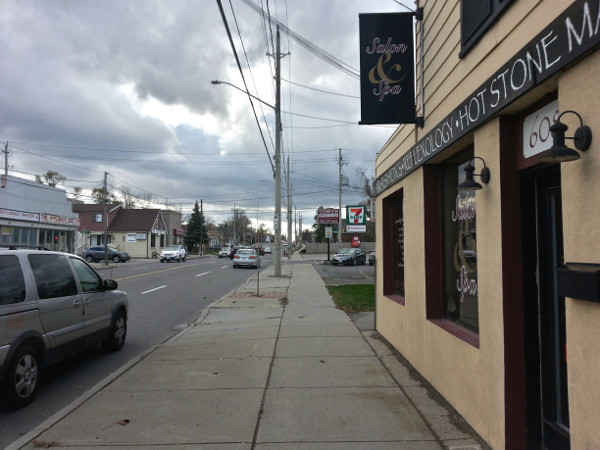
<point>356,215</point>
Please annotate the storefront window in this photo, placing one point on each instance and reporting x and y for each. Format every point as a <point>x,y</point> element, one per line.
<point>459,224</point>
<point>393,270</point>
<point>23,236</point>
<point>5,238</point>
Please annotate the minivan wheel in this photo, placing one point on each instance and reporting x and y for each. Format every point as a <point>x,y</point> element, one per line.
<point>89,259</point>
<point>116,259</point>
<point>118,333</point>
<point>22,377</point>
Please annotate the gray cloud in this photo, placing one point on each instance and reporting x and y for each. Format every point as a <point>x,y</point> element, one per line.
<point>75,73</point>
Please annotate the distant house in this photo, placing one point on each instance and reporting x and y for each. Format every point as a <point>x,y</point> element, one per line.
<point>138,232</point>
<point>92,223</point>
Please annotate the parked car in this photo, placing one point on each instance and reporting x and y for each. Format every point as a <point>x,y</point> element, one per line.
<point>224,252</point>
<point>97,253</point>
<point>349,256</point>
<point>372,258</point>
<point>246,257</point>
<point>173,253</point>
<point>52,305</point>
<point>268,250</point>
<point>214,248</point>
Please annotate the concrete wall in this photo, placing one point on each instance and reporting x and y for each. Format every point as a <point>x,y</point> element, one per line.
<point>581,219</point>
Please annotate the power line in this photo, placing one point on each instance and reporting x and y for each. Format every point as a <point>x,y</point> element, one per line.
<point>320,90</point>
<point>237,59</point>
<point>320,53</point>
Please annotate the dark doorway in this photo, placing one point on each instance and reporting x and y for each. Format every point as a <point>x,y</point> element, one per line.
<point>545,338</point>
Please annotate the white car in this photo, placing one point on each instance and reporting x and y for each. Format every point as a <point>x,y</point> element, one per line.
<point>246,257</point>
<point>268,250</point>
<point>224,252</point>
<point>173,253</point>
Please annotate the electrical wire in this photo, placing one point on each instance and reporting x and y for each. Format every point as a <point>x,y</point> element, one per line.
<point>237,59</point>
<point>320,53</point>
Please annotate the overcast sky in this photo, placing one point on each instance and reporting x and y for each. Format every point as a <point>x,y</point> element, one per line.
<point>124,87</point>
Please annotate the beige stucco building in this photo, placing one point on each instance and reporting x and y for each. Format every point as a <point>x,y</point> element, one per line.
<point>481,289</point>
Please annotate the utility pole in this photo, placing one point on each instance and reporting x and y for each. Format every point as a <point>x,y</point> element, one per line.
<point>277,217</point>
<point>289,210</point>
<point>105,201</point>
<point>5,176</point>
<point>340,195</point>
<point>201,228</point>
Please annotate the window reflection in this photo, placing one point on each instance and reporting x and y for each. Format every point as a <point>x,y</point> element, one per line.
<point>460,248</point>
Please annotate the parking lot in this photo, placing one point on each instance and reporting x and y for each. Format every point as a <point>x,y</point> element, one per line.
<point>338,275</point>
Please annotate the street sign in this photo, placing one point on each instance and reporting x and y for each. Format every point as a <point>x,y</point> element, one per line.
<point>356,228</point>
<point>328,215</point>
<point>328,232</point>
<point>356,215</point>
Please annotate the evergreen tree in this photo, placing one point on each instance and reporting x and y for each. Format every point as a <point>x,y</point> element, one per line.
<point>196,230</point>
<point>319,229</point>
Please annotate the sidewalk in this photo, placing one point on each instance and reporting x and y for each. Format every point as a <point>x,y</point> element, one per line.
<point>283,370</point>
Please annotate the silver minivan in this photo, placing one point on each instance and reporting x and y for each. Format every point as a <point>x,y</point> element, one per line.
<point>52,305</point>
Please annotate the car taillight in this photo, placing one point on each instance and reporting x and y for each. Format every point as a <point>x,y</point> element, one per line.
<point>236,257</point>
<point>253,257</point>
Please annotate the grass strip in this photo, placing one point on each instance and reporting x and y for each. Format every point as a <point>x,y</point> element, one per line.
<point>353,297</point>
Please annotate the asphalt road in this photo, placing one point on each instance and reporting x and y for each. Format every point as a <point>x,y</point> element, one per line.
<point>163,298</point>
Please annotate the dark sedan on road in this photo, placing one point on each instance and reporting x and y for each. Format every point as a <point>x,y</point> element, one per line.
<point>348,256</point>
<point>95,254</point>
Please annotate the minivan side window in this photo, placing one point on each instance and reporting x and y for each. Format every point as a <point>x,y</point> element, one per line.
<point>12,284</point>
<point>89,280</point>
<point>53,276</point>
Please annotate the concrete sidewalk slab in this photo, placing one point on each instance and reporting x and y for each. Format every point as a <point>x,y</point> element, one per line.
<point>347,329</point>
<point>241,315</point>
<point>343,414</point>
<point>256,348</point>
<point>299,347</point>
<point>152,418</point>
<point>195,375</point>
<point>211,335</point>
<point>329,372</point>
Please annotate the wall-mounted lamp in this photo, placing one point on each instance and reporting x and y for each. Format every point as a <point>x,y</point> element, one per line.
<point>559,152</point>
<point>470,184</point>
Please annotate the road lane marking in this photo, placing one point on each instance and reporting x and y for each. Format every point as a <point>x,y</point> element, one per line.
<point>224,267</point>
<point>202,274</point>
<point>149,273</point>
<point>155,289</point>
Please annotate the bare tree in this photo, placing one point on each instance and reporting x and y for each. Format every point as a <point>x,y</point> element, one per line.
<point>367,185</point>
<point>51,178</point>
<point>127,198</point>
